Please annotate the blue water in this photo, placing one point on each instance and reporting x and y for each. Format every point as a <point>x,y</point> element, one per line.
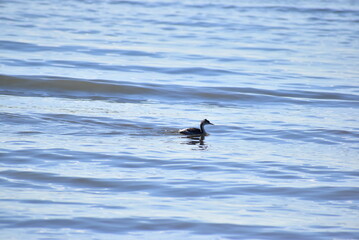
<point>92,94</point>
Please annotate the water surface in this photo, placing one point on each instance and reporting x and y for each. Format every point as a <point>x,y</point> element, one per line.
<point>92,95</point>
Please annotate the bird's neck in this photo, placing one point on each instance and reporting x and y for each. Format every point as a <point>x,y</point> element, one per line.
<point>202,128</point>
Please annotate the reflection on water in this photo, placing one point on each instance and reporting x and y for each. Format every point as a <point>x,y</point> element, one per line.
<point>196,140</point>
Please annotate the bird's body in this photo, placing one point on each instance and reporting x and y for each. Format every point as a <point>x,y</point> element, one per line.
<point>191,131</point>
<point>196,131</point>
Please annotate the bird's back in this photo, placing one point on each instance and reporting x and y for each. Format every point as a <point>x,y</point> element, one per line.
<point>190,131</point>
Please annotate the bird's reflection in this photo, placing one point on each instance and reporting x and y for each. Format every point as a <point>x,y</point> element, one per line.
<point>196,140</point>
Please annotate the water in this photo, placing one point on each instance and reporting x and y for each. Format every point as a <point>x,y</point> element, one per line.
<point>93,92</point>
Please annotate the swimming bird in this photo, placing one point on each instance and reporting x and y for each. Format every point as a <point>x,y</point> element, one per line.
<point>196,131</point>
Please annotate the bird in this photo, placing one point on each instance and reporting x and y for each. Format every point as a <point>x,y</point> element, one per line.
<point>196,131</point>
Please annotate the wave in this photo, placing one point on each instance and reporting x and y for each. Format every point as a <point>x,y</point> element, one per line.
<point>30,47</point>
<point>118,91</point>
<point>162,226</point>
<point>122,91</point>
<point>319,136</point>
<point>202,71</point>
<point>199,188</point>
<point>243,7</point>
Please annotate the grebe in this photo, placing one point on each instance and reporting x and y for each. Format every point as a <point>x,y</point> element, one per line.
<point>196,131</point>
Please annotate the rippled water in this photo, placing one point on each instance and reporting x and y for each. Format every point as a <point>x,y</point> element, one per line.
<point>93,93</point>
